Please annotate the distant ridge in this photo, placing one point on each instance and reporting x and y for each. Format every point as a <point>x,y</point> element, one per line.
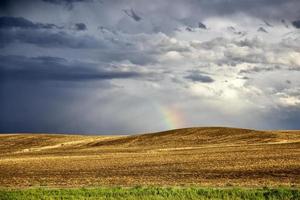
<point>204,135</point>
<point>185,137</point>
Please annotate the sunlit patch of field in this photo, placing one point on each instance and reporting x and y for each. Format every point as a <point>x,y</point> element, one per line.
<point>183,157</point>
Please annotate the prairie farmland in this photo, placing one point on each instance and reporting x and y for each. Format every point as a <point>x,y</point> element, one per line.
<point>200,157</point>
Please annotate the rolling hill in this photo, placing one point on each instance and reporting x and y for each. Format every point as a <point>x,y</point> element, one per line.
<point>207,156</point>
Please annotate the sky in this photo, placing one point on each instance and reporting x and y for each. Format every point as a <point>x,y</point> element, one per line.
<point>133,66</point>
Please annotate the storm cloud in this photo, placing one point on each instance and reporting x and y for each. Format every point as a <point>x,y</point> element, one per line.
<point>66,3</point>
<point>132,14</point>
<point>89,66</point>
<point>296,24</point>
<point>80,26</point>
<point>20,22</point>
<point>14,68</point>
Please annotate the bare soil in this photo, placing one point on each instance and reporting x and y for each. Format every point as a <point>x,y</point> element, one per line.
<point>183,157</point>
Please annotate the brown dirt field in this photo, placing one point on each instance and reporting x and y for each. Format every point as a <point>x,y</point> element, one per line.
<point>183,157</point>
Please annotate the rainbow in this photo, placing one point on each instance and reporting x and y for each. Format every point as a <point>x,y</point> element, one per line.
<point>171,116</point>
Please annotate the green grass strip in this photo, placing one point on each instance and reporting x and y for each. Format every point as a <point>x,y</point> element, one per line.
<point>151,193</point>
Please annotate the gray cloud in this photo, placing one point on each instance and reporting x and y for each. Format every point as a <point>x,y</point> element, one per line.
<point>197,77</point>
<point>64,1</point>
<point>175,13</point>
<point>261,29</point>
<point>201,25</point>
<point>257,69</point>
<point>261,8</point>
<point>53,107</point>
<point>80,27</point>
<point>41,34</point>
<point>296,24</point>
<point>69,4</point>
<point>5,4</point>
<point>48,39</point>
<point>205,53</point>
<point>257,8</point>
<point>56,69</point>
<point>20,22</point>
<point>132,14</point>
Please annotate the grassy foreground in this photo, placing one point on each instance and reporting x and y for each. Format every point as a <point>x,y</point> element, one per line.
<point>148,193</point>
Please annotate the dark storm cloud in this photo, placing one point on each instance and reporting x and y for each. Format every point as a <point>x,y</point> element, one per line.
<point>20,22</point>
<point>64,1</point>
<point>197,77</point>
<point>70,77</point>
<point>283,118</point>
<point>166,16</point>
<point>48,39</point>
<point>67,3</point>
<point>256,8</point>
<point>286,9</point>
<point>201,25</point>
<point>80,27</point>
<point>41,34</point>
<point>296,24</point>
<point>132,14</point>
<point>33,106</point>
<point>56,69</point>
<point>4,4</point>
